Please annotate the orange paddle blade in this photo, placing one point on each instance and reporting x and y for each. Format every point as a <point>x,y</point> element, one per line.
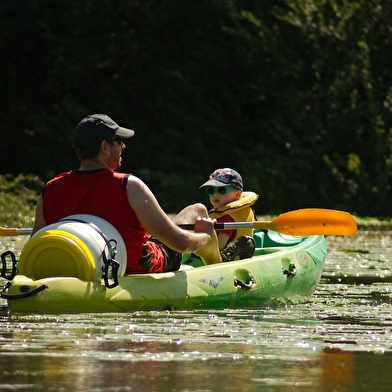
<point>312,221</point>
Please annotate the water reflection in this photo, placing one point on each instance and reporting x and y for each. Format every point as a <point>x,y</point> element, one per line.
<point>340,341</point>
<point>273,349</point>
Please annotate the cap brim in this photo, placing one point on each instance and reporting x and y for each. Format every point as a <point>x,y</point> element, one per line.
<point>214,183</point>
<point>124,132</point>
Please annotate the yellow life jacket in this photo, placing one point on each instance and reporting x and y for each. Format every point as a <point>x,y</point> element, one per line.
<point>240,210</point>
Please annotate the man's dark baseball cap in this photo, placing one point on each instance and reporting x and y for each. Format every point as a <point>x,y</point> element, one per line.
<point>97,127</point>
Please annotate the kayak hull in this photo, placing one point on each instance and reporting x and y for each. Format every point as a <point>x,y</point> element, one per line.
<point>286,270</point>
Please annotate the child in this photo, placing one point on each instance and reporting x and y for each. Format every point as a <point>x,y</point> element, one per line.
<point>231,204</point>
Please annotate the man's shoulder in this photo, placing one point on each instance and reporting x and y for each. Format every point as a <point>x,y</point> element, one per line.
<point>134,179</point>
<point>59,176</point>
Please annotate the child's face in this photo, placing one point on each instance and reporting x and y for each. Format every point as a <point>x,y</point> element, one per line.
<point>218,200</point>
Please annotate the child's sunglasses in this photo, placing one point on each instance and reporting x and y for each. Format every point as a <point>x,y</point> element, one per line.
<point>221,190</point>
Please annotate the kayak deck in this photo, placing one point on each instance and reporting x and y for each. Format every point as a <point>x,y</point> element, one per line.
<point>283,269</point>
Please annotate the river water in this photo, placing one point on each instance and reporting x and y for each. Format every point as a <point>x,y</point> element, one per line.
<point>341,340</point>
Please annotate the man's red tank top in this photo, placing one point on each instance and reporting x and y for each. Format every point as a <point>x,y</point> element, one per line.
<point>103,193</point>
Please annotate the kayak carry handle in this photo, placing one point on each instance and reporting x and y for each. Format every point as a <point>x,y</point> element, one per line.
<point>4,265</point>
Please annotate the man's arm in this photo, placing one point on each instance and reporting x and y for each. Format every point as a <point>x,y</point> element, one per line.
<point>152,217</point>
<point>39,221</point>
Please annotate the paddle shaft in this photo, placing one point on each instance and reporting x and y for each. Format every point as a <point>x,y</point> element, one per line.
<point>223,225</point>
<point>304,222</point>
<point>13,231</point>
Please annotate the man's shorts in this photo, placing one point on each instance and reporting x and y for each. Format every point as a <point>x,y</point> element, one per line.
<point>171,257</point>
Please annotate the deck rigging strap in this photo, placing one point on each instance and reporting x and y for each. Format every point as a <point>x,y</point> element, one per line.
<point>25,291</point>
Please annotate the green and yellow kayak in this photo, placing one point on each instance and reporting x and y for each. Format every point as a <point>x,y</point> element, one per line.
<point>56,273</point>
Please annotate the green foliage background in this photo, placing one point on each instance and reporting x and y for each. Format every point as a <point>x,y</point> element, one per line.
<point>294,94</point>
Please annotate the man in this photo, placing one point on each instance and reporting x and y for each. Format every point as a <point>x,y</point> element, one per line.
<point>126,202</point>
